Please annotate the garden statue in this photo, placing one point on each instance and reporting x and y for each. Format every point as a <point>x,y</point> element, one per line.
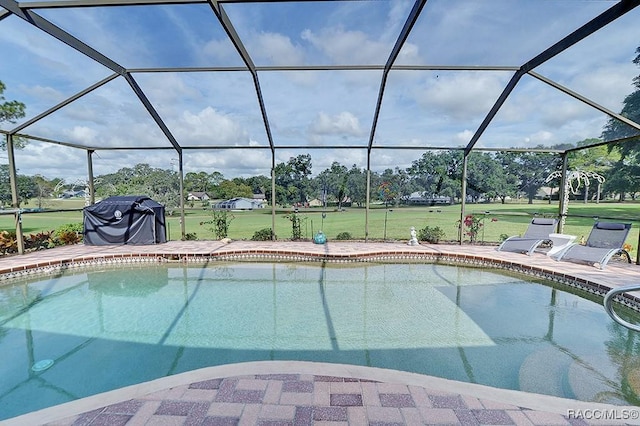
<point>414,240</point>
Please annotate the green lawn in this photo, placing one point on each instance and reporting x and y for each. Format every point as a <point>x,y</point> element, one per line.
<point>499,219</point>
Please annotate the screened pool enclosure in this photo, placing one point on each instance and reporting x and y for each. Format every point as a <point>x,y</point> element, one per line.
<point>237,86</point>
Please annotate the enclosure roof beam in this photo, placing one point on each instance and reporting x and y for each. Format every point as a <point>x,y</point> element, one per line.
<point>62,4</point>
<point>152,111</point>
<point>633,138</point>
<point>282,68</point>
<point>605,18</point>
<point>235,39</point>
<point>54,31</point>
<point>51,141</point>
<point>63,103</point>
<point>586,100</point>
<point>102,3</point>
<point>402,38</point>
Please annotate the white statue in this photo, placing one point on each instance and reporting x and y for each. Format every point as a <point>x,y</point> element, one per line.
<point>414,240</point>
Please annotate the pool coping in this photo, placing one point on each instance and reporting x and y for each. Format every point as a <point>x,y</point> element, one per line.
<point>301,253</point>
<point>516,400</point>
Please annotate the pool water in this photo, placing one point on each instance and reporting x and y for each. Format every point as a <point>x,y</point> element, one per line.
<point>90,331</point>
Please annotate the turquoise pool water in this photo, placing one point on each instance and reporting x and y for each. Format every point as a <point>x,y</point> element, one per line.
<point>95,330</point>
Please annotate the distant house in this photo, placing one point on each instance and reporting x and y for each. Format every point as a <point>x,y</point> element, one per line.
<point>239,203</point>
<point>260,197</point>
<point>545,192</point>
<point>315,203</point>
<point>198,196</point>
<point>73,194</point>
<point>421,198</point>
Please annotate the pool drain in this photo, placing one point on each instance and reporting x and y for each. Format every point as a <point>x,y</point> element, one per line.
<point>42,365</point>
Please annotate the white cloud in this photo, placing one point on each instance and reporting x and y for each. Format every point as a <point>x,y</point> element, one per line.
<point>220,50</point>
<point>460,96</point>
<point>83,135</point>
<point>348,47</point>
<point>464,137</point>
<point>277,49</point>
<point>342,124</point>
<point>209,126</point>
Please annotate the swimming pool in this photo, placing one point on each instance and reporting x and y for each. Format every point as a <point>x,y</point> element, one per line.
<point>99,329</point>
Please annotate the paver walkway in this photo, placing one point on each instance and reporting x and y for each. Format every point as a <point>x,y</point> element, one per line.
<point>305,393</point>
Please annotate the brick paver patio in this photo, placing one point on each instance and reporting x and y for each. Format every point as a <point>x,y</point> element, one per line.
<point>304,393</point>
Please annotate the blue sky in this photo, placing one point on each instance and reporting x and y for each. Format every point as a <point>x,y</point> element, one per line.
<point>311,108</point>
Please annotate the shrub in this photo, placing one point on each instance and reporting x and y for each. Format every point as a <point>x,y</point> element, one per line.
<point>472,225</point>
<point>8,242</point>
<point>190,236</point>
<point>296,225</point>
<point>265,234</point>
<point>70,233</point>
<point>221,220</point>
<point>344,236</point>
<point>39,241</point>
<point>68,237</point>
<point>431,234</point>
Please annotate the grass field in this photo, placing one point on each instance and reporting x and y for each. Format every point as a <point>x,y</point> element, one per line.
<point>499,219</point>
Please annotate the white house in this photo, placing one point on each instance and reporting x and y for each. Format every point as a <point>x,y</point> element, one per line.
<point>239,203</point>
<point>198,196</point>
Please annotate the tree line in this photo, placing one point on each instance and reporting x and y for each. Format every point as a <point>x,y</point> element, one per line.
<point>494,176</point>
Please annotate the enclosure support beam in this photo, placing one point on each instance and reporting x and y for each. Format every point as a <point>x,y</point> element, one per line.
<point>181,181</point>
<point>402,38</point>
<point>563,196</point>
<point>463,202</point>
<point>581,33</point>
<point>367,198</point>
<point>273,195</point>
<point>90,183</point>
<point>15,201</point>
<point>228,27</point>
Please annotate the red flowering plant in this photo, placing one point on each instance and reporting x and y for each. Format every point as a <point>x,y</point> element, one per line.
<point>472,225</point>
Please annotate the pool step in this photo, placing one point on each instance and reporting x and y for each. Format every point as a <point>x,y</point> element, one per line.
<point>545,372</point>
<point>597,387</point>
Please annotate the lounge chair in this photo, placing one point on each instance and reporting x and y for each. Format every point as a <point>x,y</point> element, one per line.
<point>537,232</point>
<point>605,240</point>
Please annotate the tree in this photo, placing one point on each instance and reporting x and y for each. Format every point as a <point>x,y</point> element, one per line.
<point>10,111</point>
<point>530,168</point>
<point>357,185</point>
<point>44,189</point>
<point>485,177</point>
<point>615,129</point>
<point>333,181</point>
<point>197,182</point>
<point>259,184</point>
<point>292,179</point>
<point>162,185</point>
<point>598,159</point>
<point>232,189</point>
<point>622,179</point>
<point>438,174</point>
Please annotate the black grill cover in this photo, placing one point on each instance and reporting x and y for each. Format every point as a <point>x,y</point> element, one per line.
<point>130,219</point>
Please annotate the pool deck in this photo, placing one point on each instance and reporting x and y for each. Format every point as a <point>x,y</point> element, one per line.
<point>305,393</point>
